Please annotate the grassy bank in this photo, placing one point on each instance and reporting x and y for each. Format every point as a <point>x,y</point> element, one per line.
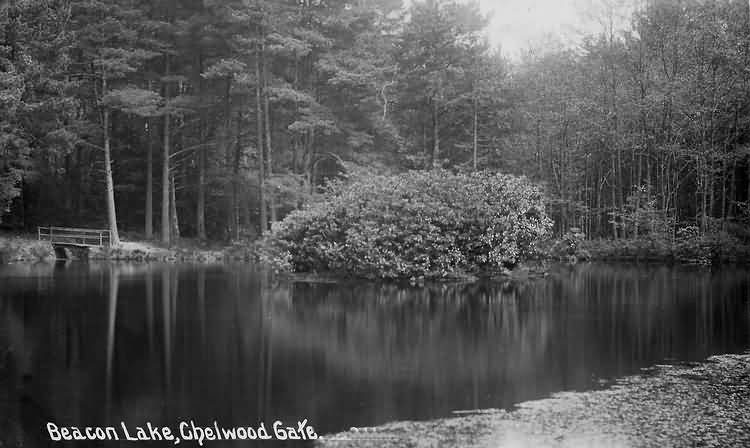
<point>668,406</point>
<point>27,249</point>
<point>24,249</point>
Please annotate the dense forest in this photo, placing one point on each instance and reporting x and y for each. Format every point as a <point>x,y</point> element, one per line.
<point>211,119</point>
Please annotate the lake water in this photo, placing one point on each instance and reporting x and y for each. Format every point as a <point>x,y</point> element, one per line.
<point>98,344</point>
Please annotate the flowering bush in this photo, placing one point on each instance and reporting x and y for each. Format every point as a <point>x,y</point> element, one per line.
<point>431,224</point>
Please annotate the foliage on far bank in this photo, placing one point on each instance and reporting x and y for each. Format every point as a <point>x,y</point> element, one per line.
<point>20,249</point>
<point>26,249</point>
<point>685,245</point>
<point>420,224</point>
<point>702,250</point>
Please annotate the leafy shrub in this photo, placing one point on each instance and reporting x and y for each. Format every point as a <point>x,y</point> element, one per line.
<point>570,246</point>
<point>16,249</point>
<point>693,247</point>
<point>419,224</point>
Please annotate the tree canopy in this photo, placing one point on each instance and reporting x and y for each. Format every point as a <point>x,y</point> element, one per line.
<point>227,115</point>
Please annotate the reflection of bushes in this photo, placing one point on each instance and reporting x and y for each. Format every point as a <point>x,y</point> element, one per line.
<point>378,331</point>
<point>419,224</point>
<point>454,334</point>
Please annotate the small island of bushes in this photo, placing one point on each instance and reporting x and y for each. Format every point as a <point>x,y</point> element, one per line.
<point>414,225</point>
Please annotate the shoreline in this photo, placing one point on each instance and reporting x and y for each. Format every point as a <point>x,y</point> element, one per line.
<point>665,406</point>
<point>23,249</point>
<point>699,251</point>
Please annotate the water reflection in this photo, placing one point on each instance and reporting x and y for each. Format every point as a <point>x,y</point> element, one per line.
<point>97,344</point>
<point>113,289</point>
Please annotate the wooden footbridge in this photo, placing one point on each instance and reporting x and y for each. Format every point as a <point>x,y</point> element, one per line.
<point>79,241</point>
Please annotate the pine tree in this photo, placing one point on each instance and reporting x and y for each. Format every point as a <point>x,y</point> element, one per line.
<point>434,54</point>
<point>108,50</point>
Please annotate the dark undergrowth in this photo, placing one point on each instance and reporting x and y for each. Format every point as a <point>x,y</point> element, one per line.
<point>687,247</point>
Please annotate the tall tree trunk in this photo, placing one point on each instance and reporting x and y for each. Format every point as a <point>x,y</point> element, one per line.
<point>724,193</point>
<point>110,185</point>
<point>705,200</point>
<point>476,129</point>
<point>307,160</point>
<point>165,224</point>
<point>638,183</point>
<point>296,137</point>
<point>263,224</point>
<point>78,205</point>
<point>425,149</point>
<point>111,212</point>
<point>732,190</point>
<point>599,230</point>
<point>269,147</point>
<point>68,181</point>
<point>165,237</point>
<point>200,209</point>
<point>149,185</point>
<point>435,135</point>
<point>311,175</point>
<point>618,200</point>
<point>174,218</point>
<point>236,180</point>
<point>711,190</point>
<point>227,141</point>
<point>614,196</point>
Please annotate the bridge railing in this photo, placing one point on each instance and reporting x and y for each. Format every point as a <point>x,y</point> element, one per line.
<point>73,236</point>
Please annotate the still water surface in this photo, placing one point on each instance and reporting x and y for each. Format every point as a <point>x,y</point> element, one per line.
<point>100,343</point>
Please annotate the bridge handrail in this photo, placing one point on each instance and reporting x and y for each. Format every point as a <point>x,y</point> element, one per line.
<point>74,229</point>
<point>62,235</point>
<point>76,235</point>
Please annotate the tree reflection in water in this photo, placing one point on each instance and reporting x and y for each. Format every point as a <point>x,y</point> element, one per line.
<point>237,346</point>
